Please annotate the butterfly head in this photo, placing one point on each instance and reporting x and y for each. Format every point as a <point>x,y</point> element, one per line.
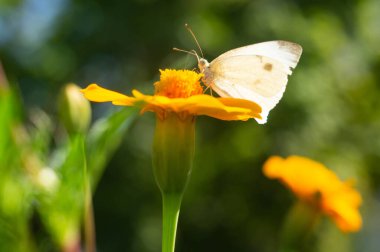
<point>203,64</point>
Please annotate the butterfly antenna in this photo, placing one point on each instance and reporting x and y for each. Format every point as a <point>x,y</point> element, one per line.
<point>195,39</point>
<point>192,52</point>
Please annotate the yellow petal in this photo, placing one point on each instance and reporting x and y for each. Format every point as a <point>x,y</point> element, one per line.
<point>220,108</point>
<point>233,102</point>
<point>273,166</point>
<point>342,206</point>
<point>98,94</point>
<point>224,109</point>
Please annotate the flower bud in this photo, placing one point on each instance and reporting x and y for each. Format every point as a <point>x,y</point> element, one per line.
<point>173,152</point>
<point>75,110</point>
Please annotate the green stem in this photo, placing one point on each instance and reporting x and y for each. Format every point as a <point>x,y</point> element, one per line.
<point>298,227</point>
<point>89,223</point>
<point>173,153</point>
<point>171,207</point>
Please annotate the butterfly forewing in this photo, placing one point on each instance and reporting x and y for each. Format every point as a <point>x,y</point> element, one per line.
<point>256,72</point>
<point>285,52</point>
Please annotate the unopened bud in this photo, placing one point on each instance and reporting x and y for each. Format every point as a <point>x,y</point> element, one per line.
<point>75,110</point>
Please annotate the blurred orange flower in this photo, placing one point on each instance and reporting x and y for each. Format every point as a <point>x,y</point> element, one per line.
<point>315,184</point>
<point>179,91</point>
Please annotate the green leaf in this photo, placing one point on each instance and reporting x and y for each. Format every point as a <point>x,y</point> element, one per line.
<point>62,206</point>
<point>8,117</point>
<point>15,201</point>
<point>40,134</point>
<point>104,138</point>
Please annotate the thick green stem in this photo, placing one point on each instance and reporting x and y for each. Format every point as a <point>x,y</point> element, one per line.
<point>173,153</point>
<point>171,206</point>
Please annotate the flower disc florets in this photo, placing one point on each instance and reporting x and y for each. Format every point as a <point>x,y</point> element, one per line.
<point>178,83</point>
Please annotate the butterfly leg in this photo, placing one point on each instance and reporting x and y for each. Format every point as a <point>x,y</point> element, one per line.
<point>207,88</point>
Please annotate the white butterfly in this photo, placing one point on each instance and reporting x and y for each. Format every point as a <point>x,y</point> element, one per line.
<point>257,72</point>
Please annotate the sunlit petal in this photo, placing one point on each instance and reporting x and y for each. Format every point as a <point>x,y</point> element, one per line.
<point>96,93</point>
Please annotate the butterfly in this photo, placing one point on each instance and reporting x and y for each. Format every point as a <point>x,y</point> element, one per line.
<point>257,72</point>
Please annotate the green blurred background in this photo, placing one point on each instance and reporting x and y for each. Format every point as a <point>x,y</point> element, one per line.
<point>329,112</point>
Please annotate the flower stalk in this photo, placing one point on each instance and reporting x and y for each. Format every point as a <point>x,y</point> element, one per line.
<point>298,227</point>
<point>170,213</point>
<point>173,153</point>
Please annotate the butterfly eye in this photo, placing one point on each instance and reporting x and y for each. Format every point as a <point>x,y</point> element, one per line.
<point>202,64</point>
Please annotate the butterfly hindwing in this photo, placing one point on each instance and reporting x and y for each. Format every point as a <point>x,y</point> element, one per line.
<point>263,75</point>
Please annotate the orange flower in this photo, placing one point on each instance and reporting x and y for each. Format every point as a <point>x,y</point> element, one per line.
<point>315,184</point>
<point>177,100</point>
<point>179,91</point>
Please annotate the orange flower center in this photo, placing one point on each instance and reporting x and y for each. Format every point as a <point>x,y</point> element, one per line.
<point>178,83</point>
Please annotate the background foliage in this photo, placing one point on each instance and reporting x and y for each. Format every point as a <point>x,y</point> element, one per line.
<point>330,111</point>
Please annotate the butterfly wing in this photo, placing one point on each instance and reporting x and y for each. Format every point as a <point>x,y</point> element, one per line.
<point>285,52</point>
<point>257,72</point>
